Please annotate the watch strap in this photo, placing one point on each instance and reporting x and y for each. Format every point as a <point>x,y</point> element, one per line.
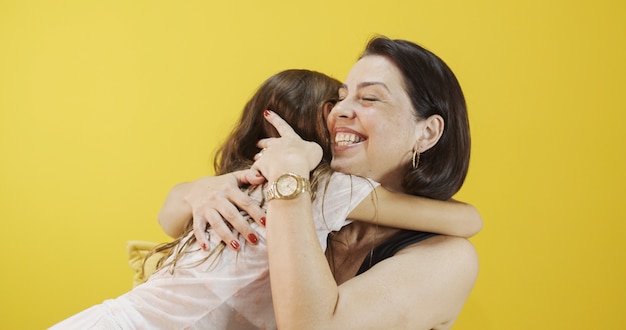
<point>302,185</point>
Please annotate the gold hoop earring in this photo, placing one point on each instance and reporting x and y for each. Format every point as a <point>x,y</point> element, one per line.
<point>416,159</point>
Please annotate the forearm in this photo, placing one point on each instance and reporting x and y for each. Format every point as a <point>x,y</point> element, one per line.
<point>418,213</point>
<point>303,288</point>
<point>175,212</point>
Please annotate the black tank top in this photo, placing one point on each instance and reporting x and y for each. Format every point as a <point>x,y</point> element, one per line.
<point>393,245</point>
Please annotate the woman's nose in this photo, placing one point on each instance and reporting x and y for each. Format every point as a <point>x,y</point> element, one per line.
<point>342,109</point>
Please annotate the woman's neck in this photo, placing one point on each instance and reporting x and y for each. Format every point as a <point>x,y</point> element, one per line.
<point>348,248</point>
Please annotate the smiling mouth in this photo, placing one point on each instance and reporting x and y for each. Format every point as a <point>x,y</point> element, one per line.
<point>346,139</point>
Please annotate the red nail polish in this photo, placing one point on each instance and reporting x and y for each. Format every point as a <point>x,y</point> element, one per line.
<point>258,175</point>
<point>253,239</point>
<point>234,244</point>
<point>204,246</point>
<point>266,113</point>
<point>262,220</point>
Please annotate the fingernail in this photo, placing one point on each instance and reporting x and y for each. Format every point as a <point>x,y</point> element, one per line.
<point>234,244</point>
<point>258,175</point>
<point>204,246</point>
<point>252,238</point>
<point>266,113</point>
<point>262,220</point>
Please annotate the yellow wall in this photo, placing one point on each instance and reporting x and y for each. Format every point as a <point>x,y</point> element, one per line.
<point>104,105</point>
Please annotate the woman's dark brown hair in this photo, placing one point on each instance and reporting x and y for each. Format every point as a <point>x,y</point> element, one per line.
<point>433,90</point>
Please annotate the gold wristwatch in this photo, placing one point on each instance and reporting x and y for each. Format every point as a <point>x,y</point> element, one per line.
<point>288,186</point>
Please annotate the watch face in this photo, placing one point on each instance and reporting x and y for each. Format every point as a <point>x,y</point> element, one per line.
<point>286,185</point>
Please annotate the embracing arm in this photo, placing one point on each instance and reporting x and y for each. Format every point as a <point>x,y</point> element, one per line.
<point>175,212</point>
<point>404,211</point>
<point>423,286</point>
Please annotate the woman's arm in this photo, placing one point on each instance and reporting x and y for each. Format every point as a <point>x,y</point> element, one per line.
<point>399,210</point>
<point>175,212</point>
<point>421,287</point>
<point>387,208</point>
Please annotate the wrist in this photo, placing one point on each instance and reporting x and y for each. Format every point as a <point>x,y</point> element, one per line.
<point>291,163</point>
<point>288,186</point>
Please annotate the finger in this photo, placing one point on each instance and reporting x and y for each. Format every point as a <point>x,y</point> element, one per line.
<point>219,228</point>
<point>228,206</point>
<point>263,144</point>
<point>258,155</point>
<point>249,176</point>
<point>280,124</point>
<point>240,224</point>
<point>250,206</point>
<point>199,231</point>
<point>254,177</point>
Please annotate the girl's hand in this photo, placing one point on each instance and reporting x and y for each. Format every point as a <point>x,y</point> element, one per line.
<point>214,200</point>
<point>288,153</point>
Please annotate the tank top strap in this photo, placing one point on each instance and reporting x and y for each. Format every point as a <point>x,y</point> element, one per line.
<point>392,246</point>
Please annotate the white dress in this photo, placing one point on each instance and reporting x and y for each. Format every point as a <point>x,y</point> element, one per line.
<point>231,291</point>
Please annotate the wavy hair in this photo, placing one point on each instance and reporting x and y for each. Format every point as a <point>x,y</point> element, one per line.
<point>299,97</point>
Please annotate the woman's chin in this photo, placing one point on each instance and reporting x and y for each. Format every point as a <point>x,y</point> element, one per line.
<point>345,165</point>
<point>339,164</point>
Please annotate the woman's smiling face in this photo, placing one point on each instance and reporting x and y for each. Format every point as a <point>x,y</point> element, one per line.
<point>373,127</point>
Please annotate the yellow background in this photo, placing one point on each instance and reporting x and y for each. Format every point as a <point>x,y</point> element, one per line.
<point>105,105</point>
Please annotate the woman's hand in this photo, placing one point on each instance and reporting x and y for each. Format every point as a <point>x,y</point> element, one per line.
<point>213,200</point>
<point>289,153</point>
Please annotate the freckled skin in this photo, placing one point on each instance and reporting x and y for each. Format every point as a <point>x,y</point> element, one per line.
<point>383,118</point>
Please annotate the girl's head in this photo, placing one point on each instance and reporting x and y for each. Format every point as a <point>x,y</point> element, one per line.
<point>301,97</point>
<point>397,99</point>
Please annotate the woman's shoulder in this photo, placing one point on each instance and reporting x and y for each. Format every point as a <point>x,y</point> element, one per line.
<point>441,268</point>
<point>449,263</point>
<point>434,276</point>
<point>446,251</point>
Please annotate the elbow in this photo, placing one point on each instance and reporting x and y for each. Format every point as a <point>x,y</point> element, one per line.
<point>476,222</point>
<point>470,223</point>
<point>175,212</point>
<point>167,227</point>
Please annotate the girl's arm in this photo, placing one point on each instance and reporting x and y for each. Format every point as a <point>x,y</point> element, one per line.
<point>404,211</point>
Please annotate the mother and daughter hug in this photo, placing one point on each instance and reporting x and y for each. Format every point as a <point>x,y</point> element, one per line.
<point>338,210</point>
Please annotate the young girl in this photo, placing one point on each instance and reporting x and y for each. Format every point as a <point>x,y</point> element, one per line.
<point>217,288</point>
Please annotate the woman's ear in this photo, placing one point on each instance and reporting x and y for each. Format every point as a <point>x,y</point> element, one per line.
<point>431,132</point>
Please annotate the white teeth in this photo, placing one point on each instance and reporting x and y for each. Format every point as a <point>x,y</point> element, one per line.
<point>344,139</point>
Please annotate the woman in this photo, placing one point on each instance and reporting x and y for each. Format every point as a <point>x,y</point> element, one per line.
<point>221,289</point>
<point>400,103</point>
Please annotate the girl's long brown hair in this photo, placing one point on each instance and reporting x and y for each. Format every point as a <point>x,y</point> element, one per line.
<point>299,97</point>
